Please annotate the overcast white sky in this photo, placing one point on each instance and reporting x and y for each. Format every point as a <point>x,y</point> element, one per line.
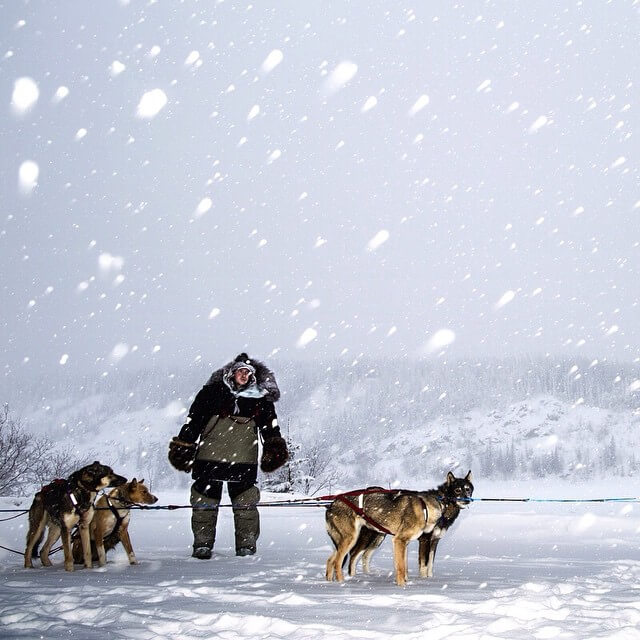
<point>323,176</point>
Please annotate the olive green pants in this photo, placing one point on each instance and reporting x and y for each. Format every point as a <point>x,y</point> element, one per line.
<point>204,517</point>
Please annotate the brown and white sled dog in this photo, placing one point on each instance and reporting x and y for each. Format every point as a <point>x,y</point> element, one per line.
<point>369,540</point>
<point>110,523</point>
<point>405,514</point>
<point>62,505</point>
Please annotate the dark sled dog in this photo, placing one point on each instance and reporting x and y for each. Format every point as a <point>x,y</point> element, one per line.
<point>405,514</point>
<point>110,523</point>
<point>62,505</point>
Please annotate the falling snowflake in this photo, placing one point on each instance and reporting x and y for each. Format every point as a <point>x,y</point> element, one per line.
<point>108,262</point>
<point>28,176</point>
<point>25,95</point>
<point>540,122</point>
<point>308,335</point>
<point>203,206</point>
<point>419,105</point>
<point>116,68</point>
<point>440,339</point>
<point>151,103</point>
<point>60,94</point>
<point>618,162</point>
<point>192,58</point>
<point>506,298</point>
<point>272,61</point>
<point>119,351</point>
<point>378,240</point>
<point>255,110</point>
<point>340,76</point>
<point>369,104</point>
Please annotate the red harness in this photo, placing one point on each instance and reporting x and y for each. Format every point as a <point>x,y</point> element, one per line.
<point>58,482</point>
<point>343,498</point>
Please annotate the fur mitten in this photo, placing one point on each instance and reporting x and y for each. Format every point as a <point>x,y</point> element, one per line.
<point>274,454</point>
<point>182,454</point>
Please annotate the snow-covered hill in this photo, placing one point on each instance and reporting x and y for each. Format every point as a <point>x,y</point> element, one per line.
<point>538,437</point>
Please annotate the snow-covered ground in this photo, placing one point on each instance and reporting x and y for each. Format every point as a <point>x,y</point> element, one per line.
<point>506,570</point>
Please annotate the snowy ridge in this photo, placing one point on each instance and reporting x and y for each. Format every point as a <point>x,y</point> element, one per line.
<point>539,437</point>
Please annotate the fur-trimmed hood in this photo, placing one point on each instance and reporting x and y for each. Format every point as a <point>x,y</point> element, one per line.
<point>265,381</point>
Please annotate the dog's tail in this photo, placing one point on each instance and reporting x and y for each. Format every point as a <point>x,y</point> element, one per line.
<point>35,552</point>
<point>110,541</point>
<point>76,548</point>
<point>36,513</point>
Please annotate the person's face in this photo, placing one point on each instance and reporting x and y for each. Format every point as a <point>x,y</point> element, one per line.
<point>241,376</point>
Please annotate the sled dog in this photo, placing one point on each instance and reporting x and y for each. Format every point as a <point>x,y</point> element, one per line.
<point>369,540</point>
<point>61,505</point>
<point>110,523</point>
<point>359,529</point>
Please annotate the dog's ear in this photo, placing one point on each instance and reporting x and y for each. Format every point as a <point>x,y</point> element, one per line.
<point>97,468</point>
<point>450,477</point>
<point>133,482</point>
<point>141,481</point>
<point>469,477</point>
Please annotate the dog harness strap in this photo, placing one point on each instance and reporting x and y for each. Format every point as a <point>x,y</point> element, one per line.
<point>116,513</point>
<point>364,516</point>
<point>74,501</point>
<point>425,511</point>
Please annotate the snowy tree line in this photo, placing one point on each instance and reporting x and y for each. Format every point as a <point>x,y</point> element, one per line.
<point>466,383</point>
<point>583,462</point>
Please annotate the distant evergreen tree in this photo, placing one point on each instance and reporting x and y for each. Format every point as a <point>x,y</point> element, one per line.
<point>609,457</point>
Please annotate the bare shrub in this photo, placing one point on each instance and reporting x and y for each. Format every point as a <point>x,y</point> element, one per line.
<point>27,460</point>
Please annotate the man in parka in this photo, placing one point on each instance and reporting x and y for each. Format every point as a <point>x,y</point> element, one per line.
<point>228,415</point>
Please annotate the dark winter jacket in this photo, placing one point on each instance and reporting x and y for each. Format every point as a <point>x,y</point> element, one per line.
<point>220,398</point>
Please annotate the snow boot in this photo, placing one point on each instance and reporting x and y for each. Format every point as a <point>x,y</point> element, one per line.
<point>202,553</point>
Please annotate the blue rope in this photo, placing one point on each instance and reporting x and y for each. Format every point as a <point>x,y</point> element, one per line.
<point>563,500</point>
